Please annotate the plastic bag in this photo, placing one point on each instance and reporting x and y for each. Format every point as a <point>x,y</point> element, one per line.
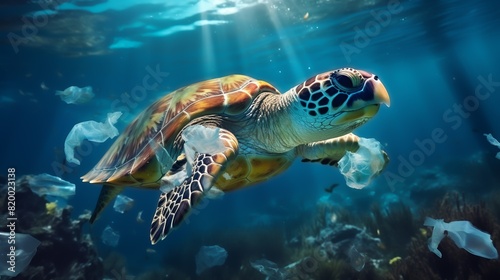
<point>92,131</point>
<point>13,262</point>
<point>76,95</point>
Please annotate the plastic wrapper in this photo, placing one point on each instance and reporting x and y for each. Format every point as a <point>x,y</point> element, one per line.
<point>201,139</point>
<point>267,267</point>
<point>356,259</point>
<point>76,95</point>
<point>493,142</point>
<point>464,235</point>
<point>92,131</point>
<point>14,262</point>
<point>46,184</point>
<point>123,203</point>
<point>361,167</point>
<point>210,256</point>
<point>110,237</point>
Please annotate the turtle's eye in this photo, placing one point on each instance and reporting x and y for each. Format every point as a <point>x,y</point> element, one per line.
<point>346,80</point>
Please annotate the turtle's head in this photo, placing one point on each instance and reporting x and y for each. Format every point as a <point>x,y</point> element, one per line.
<point>334,103</point>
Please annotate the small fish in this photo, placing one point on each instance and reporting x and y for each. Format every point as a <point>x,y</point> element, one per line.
<point>139,218</point>
<point>43,86</point>
<point>150,251</point>
<point>330,188</point>
<point>306,16</point>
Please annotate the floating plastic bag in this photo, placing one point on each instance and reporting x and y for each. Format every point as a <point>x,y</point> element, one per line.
<point>361,167</point>
<point>201,139</point>
<point>123,203</point>
<point>169,182</point>
<point>266,267</point>
<point>465,236</point>
<point>46,184</point>
<point>356,259</point>
<point>493,142</point>
<point>110,237</point>
<point>76,95</point>
<point>210,256</point>
<point>14,262</point>
<point>92,131</point>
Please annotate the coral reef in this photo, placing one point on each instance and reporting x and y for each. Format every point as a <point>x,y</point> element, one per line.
<point>64,252</point>
<point>114,265</point>
<point>460,174</point>
<point>327,254</point>
<point>242,246</point>
<point>455,263</point>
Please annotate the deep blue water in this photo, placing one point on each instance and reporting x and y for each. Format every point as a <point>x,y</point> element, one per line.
<point>431,56</point>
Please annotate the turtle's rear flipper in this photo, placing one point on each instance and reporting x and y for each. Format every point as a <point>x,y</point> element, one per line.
<point>174,206</point>
<point>108,193</point>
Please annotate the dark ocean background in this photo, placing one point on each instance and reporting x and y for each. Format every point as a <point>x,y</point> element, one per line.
<point>430,55</point>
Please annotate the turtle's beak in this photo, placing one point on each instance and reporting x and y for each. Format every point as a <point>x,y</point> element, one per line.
<point>380,94</point>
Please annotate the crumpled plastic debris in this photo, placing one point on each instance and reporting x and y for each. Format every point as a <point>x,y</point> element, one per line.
<point>267,267</point>
<point>210,256</point>
<point>123,203</point>
<point>170,181</point>
<point>110,236</point>
<point>361,167</point>
<point>46,184</point>
<point>197,139</point>
<point>139,218</point>
<point>76,95</point>
<point>201,139</point>
<point>92,131</point>
<point>465,236</point>
<point>14,262</point>
<point>356,259</point>
<point>493,142</point>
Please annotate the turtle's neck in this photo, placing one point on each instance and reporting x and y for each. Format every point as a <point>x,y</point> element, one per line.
<point>271,122</point>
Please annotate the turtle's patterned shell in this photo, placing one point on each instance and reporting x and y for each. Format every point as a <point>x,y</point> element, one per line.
<point>131,159</point>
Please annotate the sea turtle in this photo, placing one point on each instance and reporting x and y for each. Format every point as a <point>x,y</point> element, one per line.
<point>227,133</point>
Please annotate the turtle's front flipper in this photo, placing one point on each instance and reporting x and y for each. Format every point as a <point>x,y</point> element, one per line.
<point>332,150</point>
<point>328,151</point>
<point>207,155</point>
